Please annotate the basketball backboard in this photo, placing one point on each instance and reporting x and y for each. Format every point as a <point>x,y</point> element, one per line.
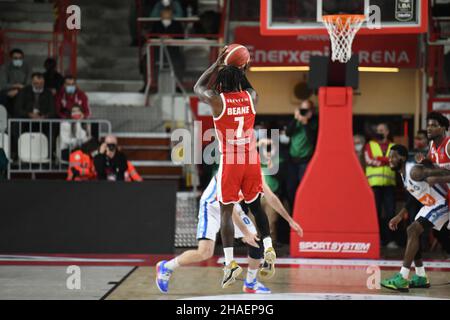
<point>304,17</point>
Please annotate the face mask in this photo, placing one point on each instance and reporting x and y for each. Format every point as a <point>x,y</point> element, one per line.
<point>379,136</point>
<point>358,147</point>
<point>38,90</point>
<point>165,3</point>
<point>166,22</point>
<point>76,116</point>
<point>70,89</point>
<point>17,63</point>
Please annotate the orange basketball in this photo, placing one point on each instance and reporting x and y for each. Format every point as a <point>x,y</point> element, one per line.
<point>237,55</point>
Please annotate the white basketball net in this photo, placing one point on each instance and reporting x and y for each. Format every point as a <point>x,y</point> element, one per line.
<point>342,31</point>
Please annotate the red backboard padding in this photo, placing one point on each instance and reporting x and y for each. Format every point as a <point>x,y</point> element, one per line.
<point>334,203</point>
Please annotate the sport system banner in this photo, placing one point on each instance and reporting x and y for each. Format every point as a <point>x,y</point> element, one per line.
<point>399,51</point>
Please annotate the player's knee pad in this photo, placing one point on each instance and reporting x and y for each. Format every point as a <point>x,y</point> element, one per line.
<point>256,253</point>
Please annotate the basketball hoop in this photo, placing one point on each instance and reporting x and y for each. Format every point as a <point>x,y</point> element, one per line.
<point>342,29</point>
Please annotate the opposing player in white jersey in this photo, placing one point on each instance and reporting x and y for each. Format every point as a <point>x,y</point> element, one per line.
<point>207,229</point>
<point>434,214</point>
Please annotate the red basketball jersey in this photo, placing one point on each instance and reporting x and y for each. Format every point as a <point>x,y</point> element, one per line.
<point>439,155</point>
<point>234,126</point>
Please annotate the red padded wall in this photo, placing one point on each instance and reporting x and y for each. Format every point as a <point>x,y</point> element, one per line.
<point>334,203</point>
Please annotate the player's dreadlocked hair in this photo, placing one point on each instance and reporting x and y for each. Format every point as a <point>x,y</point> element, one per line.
<point>231,79</point>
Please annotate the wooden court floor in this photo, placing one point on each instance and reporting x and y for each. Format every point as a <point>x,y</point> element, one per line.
<point>319,282</point>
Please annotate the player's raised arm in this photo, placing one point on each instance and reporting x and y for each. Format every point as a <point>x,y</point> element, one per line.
<point>276,204</point>
<point>201,88</point>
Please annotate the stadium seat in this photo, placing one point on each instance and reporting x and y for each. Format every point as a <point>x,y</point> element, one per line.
<point>33,148</point>
<point>4,143</point>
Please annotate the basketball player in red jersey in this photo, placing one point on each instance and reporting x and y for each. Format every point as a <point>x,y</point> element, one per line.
<point>232,99</point>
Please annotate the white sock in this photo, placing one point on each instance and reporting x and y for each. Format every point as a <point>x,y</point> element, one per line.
<point>404,272</point>
<point>251,275</point>
<point>267,243</point>
<point>172,264</point>
<point>228,255</point>
<point>420,271</point>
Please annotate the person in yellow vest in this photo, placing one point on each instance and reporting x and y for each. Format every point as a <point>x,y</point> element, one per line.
<point>382,179</point>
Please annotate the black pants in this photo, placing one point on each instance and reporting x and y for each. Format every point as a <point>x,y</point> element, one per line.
<point>385,199</point>
<point>296,171</point>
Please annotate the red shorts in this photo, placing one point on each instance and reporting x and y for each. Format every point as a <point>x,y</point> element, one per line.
<point>235,178</point>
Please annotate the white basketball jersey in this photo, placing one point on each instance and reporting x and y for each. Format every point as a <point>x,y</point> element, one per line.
<point>422,191</point>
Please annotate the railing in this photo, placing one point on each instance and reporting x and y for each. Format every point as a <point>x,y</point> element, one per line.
<point>36,146</point>
<point>163,45</point>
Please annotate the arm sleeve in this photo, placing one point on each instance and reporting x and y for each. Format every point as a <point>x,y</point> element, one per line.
<point>290,130</point>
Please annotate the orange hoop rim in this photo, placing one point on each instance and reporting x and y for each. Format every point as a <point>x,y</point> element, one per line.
<point>332,18</point>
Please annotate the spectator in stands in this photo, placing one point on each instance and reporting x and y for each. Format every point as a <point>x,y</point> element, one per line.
<point>359,141</point>
<point>160,6</point>
<point>81,164</point>
<point>53,79</point>
<point>167,28</point>
<point>68,96</point>
<point>302,131</point>
<point>111,164</point>
<point>14,76</point>
<point>382,179</point>
<point>73,134</point>
<point>34,101</point>
<point>420,145</point>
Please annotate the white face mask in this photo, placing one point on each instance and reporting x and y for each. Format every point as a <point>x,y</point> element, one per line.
<point>166,22</point>
<point>165,3</point>
<point>37,90</point>
<point>17,63</point>
<point>358,147</point>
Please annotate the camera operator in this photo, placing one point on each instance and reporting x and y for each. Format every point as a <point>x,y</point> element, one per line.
<point>302,131</point>
<point>110,164</point>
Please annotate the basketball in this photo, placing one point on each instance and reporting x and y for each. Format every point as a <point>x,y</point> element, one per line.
<point>237,55</point>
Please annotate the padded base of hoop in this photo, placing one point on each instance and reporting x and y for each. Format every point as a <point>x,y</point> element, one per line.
<point>325,73</point>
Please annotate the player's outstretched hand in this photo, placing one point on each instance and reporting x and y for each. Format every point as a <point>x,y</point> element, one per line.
<point>296,227</point>
<point>393,224</point>
<point>251,239</point>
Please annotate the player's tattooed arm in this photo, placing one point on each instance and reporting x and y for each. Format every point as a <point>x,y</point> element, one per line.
<point>276,204</point>
<point>421,173</point>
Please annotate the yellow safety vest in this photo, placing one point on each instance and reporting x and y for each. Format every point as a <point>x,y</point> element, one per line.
<point>380,176</point>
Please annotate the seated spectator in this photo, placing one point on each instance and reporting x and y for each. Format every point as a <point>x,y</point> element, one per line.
<point>13,77</point>
<point>132,174</point>
<point>68,96</point>
<point>53,79</point>
<point>174,5</point>
<point>167,26</point>
<point>110,164</point>
<point>34,101</point>
<point>73,134</point>
<point>81,164</point>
